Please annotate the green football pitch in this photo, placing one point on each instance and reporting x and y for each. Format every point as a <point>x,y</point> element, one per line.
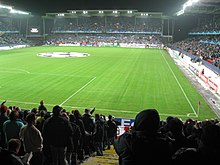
<point>117,81</point>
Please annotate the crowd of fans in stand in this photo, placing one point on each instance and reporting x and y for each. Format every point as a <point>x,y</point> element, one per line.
<point>207,45</point>
<point>108,24</point>
<point>40,137</point>
<point>208,25</point>
<point>101,39</point>
<point>204,47</point>
<point>7,24</point>
<point>13,39</point>
<point>173,141</point>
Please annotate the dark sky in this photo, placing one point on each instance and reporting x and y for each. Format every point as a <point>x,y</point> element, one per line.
<point>40,7</point>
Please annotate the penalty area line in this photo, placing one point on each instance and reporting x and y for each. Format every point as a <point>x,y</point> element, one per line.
<point>78,91</point>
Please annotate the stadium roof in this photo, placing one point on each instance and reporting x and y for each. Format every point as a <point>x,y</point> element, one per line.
<point>204,7</point>
<point>89,13</point>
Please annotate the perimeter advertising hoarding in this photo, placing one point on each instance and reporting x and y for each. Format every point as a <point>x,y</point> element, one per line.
<point>123,124</point>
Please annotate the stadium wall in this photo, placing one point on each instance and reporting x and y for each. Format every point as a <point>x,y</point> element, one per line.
<point>12,47</point>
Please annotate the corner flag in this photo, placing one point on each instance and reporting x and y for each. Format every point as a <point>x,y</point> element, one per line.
<point>198,108</point>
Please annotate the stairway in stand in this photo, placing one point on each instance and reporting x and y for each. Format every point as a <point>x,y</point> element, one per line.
<point>109,158</point>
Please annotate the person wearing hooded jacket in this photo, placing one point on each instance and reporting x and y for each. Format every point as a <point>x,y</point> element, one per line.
<point>144,143</point>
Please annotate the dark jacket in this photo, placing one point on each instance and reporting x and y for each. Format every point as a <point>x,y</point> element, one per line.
<point>112,129</point>
<point>57,131</point>
<point>9,158</point>
<point>138,147</point>
<point>99,131</point>
<point>143,145</point>
<point>89,123</point>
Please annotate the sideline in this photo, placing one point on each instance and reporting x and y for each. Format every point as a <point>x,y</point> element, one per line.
<point>180,87</point>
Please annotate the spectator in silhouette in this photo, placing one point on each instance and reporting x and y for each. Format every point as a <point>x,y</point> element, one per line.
<point>11,127</point>
<point>208,150</point>
<point>89,123</point>
<point>10,156</point>
<point>40,120</point>
<point>57,134</point>
<point>111,131</point>
<point>209,145</point>
<point>3,118</point>
<point>143,143</point>
<point>32,140</point>
<point>98,135</point>
<point>42,106</point>
<point>72,152</point>
<point>176,135</point>
<point>78,121</point>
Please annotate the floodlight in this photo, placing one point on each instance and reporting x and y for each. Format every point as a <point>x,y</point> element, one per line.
<point>18,12</point>
<point>85,12</point>
<point>6,7</point>
<point>180,12</point>
<point>185,5</point>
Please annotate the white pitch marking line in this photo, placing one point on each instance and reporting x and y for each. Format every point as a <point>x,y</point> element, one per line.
<point>10,70</point>
<point>78,90</point>
<point>98,109</point>
<point>179,85</point>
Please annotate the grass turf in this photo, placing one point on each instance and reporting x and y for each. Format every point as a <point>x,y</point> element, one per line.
<point>118,81</point>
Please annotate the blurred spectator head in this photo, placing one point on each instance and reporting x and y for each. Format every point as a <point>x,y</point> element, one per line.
<point>30,118</point>
<point>14,145</point>
<point>77,114</point>
<point>175,125</point>
<point>3,109</point>
<point>34,110</point>
<point>57,110</point>
<point>147,120</point>
<point>87,111</point>
<point>14,115</point>
<point>41,102</point>
<point>110,117</point>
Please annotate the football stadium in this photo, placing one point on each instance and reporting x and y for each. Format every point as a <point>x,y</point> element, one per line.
<point>115,63</point>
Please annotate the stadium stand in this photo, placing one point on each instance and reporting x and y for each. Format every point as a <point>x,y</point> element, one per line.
<point>199,137</point>
<point>189,140</point>
<point>206,47</point>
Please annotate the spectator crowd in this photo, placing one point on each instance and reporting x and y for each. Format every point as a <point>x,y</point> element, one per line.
<point>206,47</point>
<point>40,137</point>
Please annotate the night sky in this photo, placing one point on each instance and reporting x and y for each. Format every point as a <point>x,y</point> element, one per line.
<point>40,7</point>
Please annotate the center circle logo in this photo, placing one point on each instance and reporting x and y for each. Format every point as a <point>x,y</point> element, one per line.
<point>63,54</point>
